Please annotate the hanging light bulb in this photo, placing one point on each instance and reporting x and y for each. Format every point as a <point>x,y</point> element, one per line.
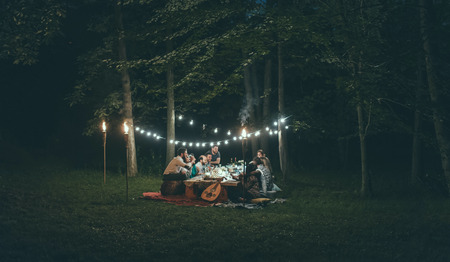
<point>229,132</point>
<point>149,133</point>
<point>191,122</point>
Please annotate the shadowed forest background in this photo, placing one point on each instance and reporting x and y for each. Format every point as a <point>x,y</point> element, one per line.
<point>361,85</point>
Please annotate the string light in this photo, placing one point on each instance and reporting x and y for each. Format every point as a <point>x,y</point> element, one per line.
<point>215,130</point>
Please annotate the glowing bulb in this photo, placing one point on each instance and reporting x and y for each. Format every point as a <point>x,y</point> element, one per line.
<point>190,144</point>
<point>197,144</point>
<point>203,144</point>
<point>104,127</point>
<point>287,127</point>
<point>257,133</point>
<point>180,117</point>
<point>282,120</point>
<point>275,123</point>
<point>142,131</point>
<point>154,135</point>
<point>158,137</point>
<point>191,122</point>
<point>215,130</point>
<point>149,133</point>
<point>211,143</point>
<point>270,133</point>
<point>218,143</point>
<point>276,131</point>
<point>267,128</point>
<point>138,128</point>
<point>171,141</point>
<point>234,138</point>
<point>184,143</point>
<point>226,142</point>
<point>176,142</point>
<point>229,132</point>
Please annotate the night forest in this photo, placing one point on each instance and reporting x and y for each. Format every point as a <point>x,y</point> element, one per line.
<point>361,82</point>
<point>338,87</point>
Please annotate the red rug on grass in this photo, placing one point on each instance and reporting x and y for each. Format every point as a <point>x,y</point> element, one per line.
<point>179,200</point>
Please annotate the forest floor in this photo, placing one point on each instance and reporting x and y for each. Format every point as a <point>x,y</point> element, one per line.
<point>55,213</point>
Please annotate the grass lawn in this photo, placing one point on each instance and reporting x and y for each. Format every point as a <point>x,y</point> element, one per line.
<point>60,214</point>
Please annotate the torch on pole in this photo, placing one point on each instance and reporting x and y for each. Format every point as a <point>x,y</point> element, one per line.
<point>126,129</point>
<point>104,152</point>
<point>244,150</point>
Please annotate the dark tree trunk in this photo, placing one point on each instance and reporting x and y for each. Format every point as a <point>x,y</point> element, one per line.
<point>434,90</point>
<point>282,145</point>
<point>366,187</point>
<point>266,106</point>
<point>127,103</point>
<point>256,107</point>
<point>170,147</point>
<point>416,160</point>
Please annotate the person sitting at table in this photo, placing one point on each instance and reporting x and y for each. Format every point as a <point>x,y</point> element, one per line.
<point>251,184</point>
<point>209,166</point>
<point>175,174</point>
<point>191,172</point>
<point>177,168</point>
<point>215,155</point>
<point>201,165</point>
<point>265,176</point>
<point>260,153</point>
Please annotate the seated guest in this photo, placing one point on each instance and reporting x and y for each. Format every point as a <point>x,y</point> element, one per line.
<point>251,184</point>
<point>215,156</point>
<point>177,168</point>
<point>209,166</point>
<point>201,165</point>
<point>260,153</point>
<point>265,176</point>
<point>191,172</point>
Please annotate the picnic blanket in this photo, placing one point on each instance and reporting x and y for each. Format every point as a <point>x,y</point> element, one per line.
<point>182,200</point>
<point>179,200</point>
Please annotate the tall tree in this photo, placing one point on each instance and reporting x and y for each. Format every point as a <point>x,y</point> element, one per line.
<point>170,147</point>
<point>434,88</point>
<point>132,169</point>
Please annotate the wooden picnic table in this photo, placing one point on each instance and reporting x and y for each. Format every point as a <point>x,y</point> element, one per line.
<point>196,185</point>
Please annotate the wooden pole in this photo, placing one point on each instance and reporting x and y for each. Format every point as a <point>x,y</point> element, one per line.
<point>126,173</point>
<point>104,158</point>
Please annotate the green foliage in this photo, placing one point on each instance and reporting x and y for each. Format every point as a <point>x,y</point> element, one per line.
<point>26,26</point>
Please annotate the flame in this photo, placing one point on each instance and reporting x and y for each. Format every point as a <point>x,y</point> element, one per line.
<point>104,127</point>
<point>125,128</point>
<point>244,133</point>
